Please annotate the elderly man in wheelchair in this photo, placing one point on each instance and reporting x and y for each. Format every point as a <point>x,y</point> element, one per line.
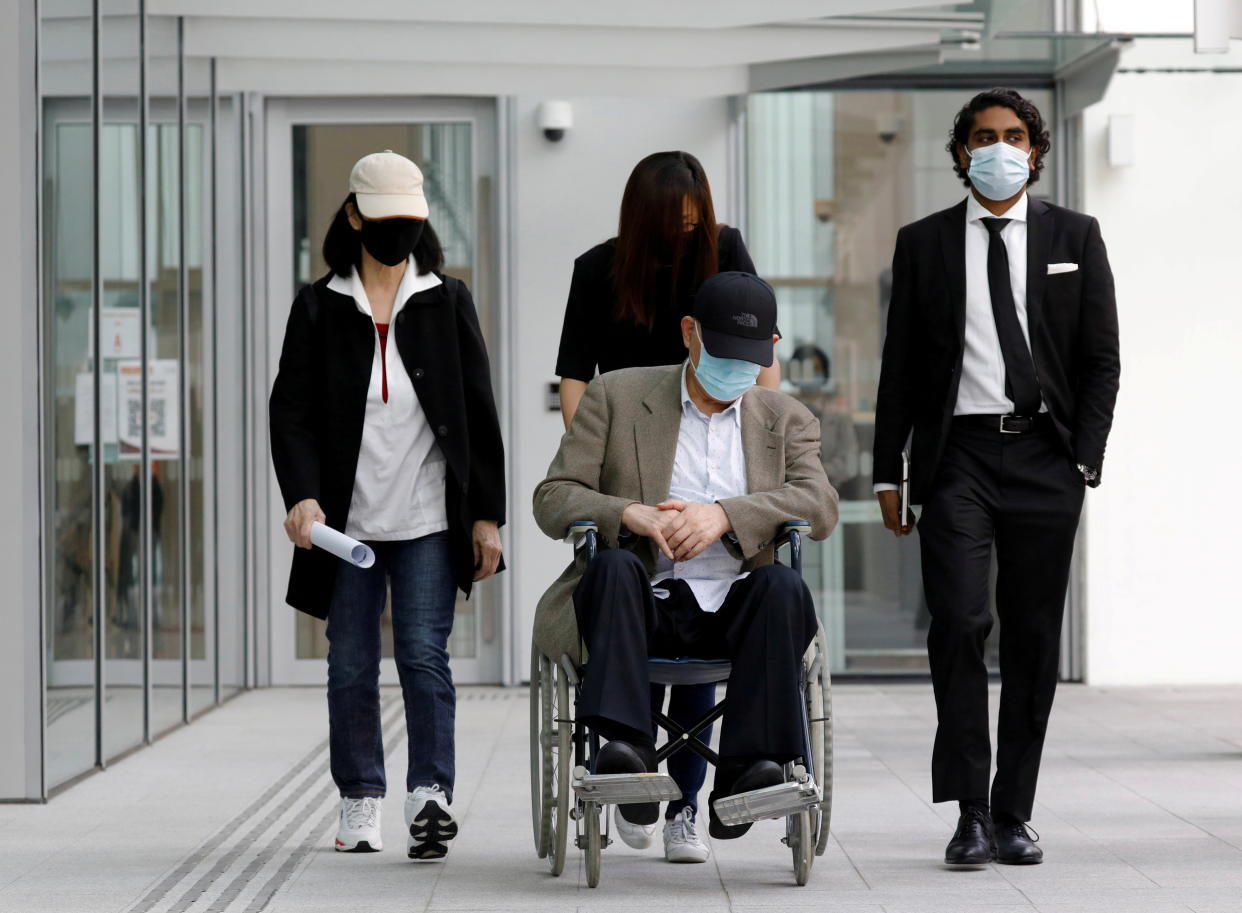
<point>687,475</point>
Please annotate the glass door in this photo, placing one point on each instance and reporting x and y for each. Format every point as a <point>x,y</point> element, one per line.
<point>832,176</point>
<point>312,145</point>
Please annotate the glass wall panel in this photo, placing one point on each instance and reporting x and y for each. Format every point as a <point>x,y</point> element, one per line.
<point>323,155</point>
<point>197,137</point>
<point>163,186</point>
<point>229,392</point>
<point>120,240</point>
<point>832,177</point>
<point>67,148</point>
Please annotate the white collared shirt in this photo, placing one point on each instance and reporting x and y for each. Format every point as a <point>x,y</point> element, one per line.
<point>710,466</point>
<point>982,388</point>
<point>399,483</point>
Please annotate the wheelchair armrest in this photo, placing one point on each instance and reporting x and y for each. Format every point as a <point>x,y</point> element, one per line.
<point>584,534</point>
<point>789,528</point>
<point>791,533</point>
<point>580,528</point>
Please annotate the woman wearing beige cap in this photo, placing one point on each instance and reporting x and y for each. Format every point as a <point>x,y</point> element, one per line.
<point>398,446</point>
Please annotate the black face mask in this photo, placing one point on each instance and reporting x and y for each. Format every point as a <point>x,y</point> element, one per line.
<point>391,240</point>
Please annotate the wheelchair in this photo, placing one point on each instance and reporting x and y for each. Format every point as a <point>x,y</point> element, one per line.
<point>566,798</point>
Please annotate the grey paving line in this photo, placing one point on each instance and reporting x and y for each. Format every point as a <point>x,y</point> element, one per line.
<point>196,890</point>
<point>148,901</point>
<point>286,870</point>
<point>156,894</point>
<point>243,879</point>
<point>493,694</point>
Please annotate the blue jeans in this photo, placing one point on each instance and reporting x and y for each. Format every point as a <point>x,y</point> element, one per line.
<point>424,593</point>
<point>687,768</point>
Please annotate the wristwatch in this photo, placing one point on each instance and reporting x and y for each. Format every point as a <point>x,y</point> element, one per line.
<point>1088,474</point>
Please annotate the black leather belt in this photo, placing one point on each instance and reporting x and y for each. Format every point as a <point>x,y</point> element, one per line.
<point>1006,424</point>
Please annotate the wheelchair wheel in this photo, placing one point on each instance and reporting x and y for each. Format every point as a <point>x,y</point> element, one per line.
<point>819,712</point>
<point>537,803</point>
<point>550,759</point>
<point>802,845</point>
<point>591,813</point>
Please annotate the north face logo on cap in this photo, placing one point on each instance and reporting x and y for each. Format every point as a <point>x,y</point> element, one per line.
<point>746,320</point>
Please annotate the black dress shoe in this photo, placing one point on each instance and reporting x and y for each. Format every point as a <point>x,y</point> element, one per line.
<point>757,775</point>
<point>1015,845</point>
<point>623,758</point>
<point>972,841</point>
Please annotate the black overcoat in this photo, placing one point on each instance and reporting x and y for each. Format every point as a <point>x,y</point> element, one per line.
<point>318,405</point>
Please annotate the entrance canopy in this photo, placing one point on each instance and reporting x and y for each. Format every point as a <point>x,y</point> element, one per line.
<point>574,48</point>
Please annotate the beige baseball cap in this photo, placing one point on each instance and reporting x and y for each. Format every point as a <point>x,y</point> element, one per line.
<point>388,186</point>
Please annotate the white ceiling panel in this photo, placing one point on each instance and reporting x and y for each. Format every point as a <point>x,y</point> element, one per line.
<point>533,45</point>
<point>658,14</point>
<point>371,78</point>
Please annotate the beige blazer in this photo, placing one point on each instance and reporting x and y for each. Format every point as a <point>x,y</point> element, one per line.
<point>620,449</point>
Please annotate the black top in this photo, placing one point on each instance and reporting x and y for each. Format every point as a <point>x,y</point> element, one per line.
<point>1072,319</point>
<point>318,408</point>
<point>591,338</point>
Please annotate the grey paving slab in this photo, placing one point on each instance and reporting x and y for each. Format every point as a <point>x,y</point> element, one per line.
<point>1140,810</point>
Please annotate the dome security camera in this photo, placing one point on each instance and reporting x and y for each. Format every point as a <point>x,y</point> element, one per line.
<point>554,118</point>
<point>888,127</point>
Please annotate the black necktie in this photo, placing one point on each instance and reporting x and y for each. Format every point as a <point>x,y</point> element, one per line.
<point>1020,383</point>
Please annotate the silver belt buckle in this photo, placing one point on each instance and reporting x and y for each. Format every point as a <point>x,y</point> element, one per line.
<point>1003,429</point>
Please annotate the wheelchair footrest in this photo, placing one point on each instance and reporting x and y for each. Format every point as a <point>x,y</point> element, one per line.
<point>624,789</point>
<point>778,801</point>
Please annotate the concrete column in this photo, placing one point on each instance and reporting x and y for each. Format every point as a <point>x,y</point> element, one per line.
<point>21,645</point>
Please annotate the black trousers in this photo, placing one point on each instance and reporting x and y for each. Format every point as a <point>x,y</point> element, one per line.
<point>1021,494</point>
<point>764,627</point>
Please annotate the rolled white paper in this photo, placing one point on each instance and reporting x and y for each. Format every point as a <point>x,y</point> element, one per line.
<point>341,545</point>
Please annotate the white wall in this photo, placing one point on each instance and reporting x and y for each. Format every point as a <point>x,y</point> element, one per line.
<point>20,648</point>
<point>566,199</point>
<point>1163,600</point>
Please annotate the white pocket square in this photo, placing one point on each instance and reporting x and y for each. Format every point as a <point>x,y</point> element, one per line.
<point>1055,268</point>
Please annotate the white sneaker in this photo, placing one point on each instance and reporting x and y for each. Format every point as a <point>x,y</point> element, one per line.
<point>360,826</point>
<point>681,839</point>
<point>638,836</point>
<point>430,823</point>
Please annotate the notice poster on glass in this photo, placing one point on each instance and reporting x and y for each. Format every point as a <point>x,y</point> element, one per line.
<point>84,409</point>
<point>121,332</point>
<point>162,428</point>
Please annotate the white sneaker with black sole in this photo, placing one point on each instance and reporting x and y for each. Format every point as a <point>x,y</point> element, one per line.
<point>430,822</point>
<point>359,830</point>
<point>638,836</point>
<point>682,842</point>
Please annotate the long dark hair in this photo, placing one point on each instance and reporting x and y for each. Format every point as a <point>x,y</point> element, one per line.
<point>342,245</point>
<point>651,231</point>
<point>1036,129</point>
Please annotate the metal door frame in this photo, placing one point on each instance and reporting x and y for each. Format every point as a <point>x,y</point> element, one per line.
<point>272,198</point>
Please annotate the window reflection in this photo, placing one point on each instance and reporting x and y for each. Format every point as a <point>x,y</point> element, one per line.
<point>832,177</point>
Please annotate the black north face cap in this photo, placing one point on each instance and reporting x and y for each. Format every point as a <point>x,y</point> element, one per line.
<point>737,315</point>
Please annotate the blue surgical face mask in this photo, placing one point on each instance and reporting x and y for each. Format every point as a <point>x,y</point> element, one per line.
<point>724,379</point>
<point>999,171</point>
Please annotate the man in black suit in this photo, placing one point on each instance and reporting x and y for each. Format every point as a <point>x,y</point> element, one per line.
<point>1001,359</point>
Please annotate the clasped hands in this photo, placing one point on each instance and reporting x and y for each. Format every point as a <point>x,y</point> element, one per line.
<point>680,529</point>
